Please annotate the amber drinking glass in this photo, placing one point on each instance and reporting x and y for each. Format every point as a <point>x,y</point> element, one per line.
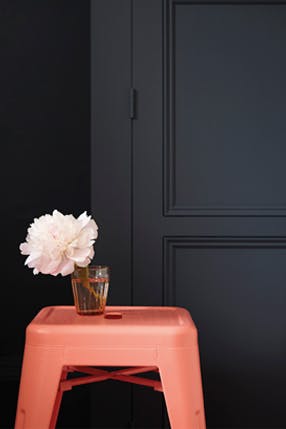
<point>90,288</point>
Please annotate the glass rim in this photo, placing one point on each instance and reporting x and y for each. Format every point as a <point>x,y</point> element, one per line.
<point>92,269</point>
<point>92,266</point>
<point>95,267</point>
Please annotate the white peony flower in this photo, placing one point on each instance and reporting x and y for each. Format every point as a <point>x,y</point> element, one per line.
<point>55,243</point>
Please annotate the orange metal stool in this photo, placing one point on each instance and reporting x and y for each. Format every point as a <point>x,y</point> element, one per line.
<point>59,341</point>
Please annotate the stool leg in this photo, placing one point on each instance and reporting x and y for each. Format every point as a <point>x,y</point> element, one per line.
<point>40,377</point>
<point>182,386</point>
<point>58,401</point>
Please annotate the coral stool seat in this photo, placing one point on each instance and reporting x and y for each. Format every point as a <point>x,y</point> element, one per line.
<point>143,339</point>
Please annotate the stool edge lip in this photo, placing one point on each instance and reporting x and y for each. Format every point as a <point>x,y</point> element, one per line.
<point>117,309</point>
<point>38,328</point>
<point>123,307</point>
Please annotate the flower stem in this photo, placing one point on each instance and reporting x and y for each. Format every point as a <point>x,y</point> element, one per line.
<point>84,277</point>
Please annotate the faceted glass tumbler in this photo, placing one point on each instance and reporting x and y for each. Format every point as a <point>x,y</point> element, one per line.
<point>90,288</point>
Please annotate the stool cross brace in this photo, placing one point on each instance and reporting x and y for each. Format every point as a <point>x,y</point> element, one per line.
<point>96,374</point>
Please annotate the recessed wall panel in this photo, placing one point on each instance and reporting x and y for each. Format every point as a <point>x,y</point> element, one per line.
<point>235,291</point>
<point>225,142</point>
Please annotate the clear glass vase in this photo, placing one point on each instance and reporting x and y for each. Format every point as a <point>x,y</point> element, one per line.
<point>90,288</point>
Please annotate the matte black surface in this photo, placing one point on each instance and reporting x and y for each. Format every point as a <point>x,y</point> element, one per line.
<point>189,195</point>
<point>209,198</point>
<point>45,159</point>
<point>111,141</point>
<point>111,179</point>
<point>228,111</point>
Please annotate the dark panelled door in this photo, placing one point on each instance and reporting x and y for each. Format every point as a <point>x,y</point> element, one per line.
<point>209,200</point>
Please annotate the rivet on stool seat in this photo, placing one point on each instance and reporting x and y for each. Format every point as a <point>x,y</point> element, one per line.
<point>143,339</point>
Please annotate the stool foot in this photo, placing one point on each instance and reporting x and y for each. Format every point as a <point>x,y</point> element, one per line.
<point>181,380</point>
<point>38,392</point>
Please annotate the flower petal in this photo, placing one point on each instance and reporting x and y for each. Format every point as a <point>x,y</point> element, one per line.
<point>83,219</point>
<point>67,267</point>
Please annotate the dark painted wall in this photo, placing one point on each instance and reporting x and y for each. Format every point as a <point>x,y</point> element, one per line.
<point>45,159</point>
<point>222,227</point>
<point>45,136</point>
<point>210,79</point>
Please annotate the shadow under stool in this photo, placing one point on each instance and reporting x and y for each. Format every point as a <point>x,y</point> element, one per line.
<point>142,339</point>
